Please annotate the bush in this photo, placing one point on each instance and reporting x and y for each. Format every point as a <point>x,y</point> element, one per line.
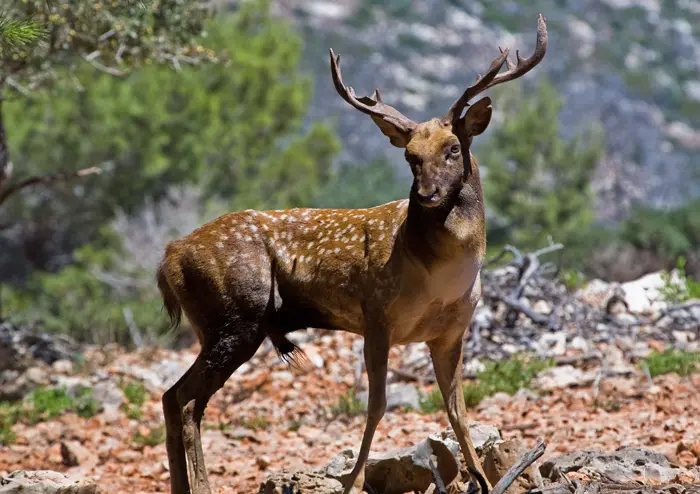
<point>507,376</point>
<point>679,361</point>
<point>349,404</point>
<point>44,404</point>
<point>681,289</point>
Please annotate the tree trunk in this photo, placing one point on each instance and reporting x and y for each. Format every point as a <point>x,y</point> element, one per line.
<point>5,166</point>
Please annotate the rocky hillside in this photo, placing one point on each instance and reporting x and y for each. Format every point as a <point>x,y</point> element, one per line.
<point>632,66</point>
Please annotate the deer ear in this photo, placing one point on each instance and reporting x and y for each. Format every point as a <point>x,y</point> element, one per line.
<point>397,137</point>
<point>477,118</point>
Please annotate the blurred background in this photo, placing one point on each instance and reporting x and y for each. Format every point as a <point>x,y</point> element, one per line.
<point>596,148</point>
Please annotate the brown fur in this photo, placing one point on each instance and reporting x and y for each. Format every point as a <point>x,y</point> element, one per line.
<point>406,271</point>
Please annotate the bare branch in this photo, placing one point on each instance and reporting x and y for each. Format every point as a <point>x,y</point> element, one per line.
<point>515,471</point>
<point>103,68</point>
<point>46,180</point>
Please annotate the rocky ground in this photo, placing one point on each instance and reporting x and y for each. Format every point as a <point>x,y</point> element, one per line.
<point>269,418</point>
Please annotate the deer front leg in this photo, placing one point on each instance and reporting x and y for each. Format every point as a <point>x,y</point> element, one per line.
<point>376,354</point>
<point>447,362</point>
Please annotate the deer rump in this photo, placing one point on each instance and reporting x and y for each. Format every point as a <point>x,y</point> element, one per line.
<point>285,312</point>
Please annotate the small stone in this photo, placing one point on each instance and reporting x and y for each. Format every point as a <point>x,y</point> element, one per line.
<point>73,454</point>
<point>63,366</point>
<point>262,462</point>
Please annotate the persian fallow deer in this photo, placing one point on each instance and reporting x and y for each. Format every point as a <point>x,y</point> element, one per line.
<point>406,271</point>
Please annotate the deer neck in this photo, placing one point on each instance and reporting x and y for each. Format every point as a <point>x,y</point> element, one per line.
<point>455,229</point>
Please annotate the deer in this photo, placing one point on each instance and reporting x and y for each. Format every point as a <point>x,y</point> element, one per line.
<point>403,272</point>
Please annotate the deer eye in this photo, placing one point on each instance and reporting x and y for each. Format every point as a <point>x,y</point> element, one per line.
<point>454,149</point>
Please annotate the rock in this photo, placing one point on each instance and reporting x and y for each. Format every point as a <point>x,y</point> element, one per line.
<point>483,317</point>
<point>62,366</point>
<point>643,295</point>
<point>402,470</point>
<point>407,469</point>
<point>312,482</point>
<point>559,377</point>
<point>398,395</point>
<point>499,456</point>
<point>160,376</point>
<point>551,344</point>
<point>543,307</point>
<point>109,395</point>
<point>44,482</point>
<point>22,346</point>
<point>480,434</point>
<point>624,465</point>
<point>73,454</point>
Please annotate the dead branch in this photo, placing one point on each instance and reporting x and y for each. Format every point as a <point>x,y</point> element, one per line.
<point>517,469</point>
<point>46,180</point>
<point>666,312</point>
<point>439,483</point>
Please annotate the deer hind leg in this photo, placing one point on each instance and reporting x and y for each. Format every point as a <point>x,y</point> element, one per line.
<point>376,355</point>
<point>173,440</point>
<point>214,365</point>
<point>447,362</point>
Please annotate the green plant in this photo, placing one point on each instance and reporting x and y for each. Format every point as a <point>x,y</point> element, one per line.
<point>135,393</point>
<point>537,182</point>
<point>679,361</point>
<point>154,437</point>
<point>507,376</point>
<point>44,404</point>
<point>681,289</point>
<point>349,404</point>
<point>256,423</point>
<point>294,426</point>
<point>572,279</point>
<point>431,402</point>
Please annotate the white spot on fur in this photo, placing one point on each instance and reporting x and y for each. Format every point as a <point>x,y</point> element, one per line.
<point>248,238</point>
<point>310,246</point>
<point>381,237</point>
<point>301,258</point>
<point>336,250</point>
<point>253,228</point>
<point>220,245</point>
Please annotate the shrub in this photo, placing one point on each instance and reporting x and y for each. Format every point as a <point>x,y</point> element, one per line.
<point>679,361</point>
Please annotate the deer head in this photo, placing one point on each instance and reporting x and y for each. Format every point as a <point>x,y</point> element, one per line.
<point>438,150</point>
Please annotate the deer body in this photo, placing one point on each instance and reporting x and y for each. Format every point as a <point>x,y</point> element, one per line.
<point>406,271</point>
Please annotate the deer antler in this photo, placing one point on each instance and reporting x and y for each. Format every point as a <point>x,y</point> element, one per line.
<point>373,105</point>
<point>492,77</point>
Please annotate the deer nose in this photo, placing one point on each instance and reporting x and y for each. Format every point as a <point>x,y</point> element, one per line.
<point>427,195</point>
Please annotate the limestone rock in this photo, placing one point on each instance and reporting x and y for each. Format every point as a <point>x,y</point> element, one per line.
<point>44,482</point>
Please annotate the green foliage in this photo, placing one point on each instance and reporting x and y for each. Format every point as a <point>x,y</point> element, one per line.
<point>679,361</point>
<point>507,376</point>
<point>44,404</point>
<point>668,232</point>
<point>537,182</point>
<point>256,423</point>
<point>154,437</point>
<point>42,41</point>
<point>431,402</point>
<point>74,302</point>
<point>135,393</point>
<point>235,129</point>
<point>680,289</point>
<point>349,404</point>
<point>572,279</point>
<point>362,186</point>
<point>14,32</point>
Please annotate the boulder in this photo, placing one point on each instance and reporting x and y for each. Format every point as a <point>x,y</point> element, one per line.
<point>44,482</point>
<point>398,395</point>
<point>499,456</point>
<point>408,469</point>
<point>304,482</point>
<point>623,465</point>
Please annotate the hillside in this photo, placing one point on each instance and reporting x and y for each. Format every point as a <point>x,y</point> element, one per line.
<point>630,66</point>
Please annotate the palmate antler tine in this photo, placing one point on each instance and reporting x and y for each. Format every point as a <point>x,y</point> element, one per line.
<point>514,70</point>
<point>373,105</point>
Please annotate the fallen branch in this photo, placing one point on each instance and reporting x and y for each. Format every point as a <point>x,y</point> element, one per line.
<point>46,180</point>
<point>439,483</point>
<point>517,469</point>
